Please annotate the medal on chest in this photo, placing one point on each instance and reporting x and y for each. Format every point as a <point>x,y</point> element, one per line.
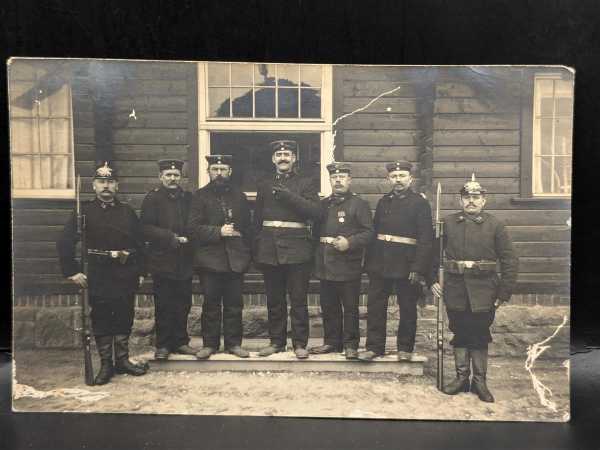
<point>341,216</point>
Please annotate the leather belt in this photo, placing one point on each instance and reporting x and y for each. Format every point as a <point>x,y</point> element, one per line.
<point>398,239</point>
<point>460,267</point>
<point>282,224</point>
<point>327,240</point>
<point>121,255</point>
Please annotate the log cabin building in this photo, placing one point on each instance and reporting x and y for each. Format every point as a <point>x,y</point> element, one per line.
<point>511,126</point>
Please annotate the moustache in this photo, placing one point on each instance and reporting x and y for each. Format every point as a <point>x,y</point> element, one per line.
<point>284,161</point>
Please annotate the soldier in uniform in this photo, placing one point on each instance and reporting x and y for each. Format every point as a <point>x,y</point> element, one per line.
<point>345,229</point>
<point>220,228</point>
<point>169,258</point>
<point>284,248</point>
<point>115,271</point>
<point>398,256</point>
<point>475,242</point>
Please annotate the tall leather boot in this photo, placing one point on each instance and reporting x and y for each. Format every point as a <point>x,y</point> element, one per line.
<point>479,358</point>
<point>463,370</point>
<point>122,363</point>
<point>104,344</point>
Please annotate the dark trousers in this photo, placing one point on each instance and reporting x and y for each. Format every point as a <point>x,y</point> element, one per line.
<point>222,290</point>
<point>110,316</point>
<point>471,329</point>
<point>339,305</point>
<point>279,280</point>
<point>172,303</point>
<point>379,291</point>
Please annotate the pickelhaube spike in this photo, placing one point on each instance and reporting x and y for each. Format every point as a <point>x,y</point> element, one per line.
<point>472,187</point>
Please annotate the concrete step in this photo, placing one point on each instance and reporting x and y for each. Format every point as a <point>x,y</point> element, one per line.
<point>287,362</point>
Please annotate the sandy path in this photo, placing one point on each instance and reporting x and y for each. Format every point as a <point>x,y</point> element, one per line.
<point>287,394</point>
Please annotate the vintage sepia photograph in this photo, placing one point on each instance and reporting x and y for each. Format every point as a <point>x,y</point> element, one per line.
<point>283,239</point>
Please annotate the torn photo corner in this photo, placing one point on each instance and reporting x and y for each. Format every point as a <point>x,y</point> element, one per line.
<point>279,239</point>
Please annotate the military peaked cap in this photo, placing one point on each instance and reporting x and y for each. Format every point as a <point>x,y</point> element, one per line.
<point>284,145</point>
<point>337,167</point>
<point>166,164</point>
<point>219,159</point>
<point>398,165</point>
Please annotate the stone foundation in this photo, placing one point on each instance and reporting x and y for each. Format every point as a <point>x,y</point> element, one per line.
<point>54,323</point>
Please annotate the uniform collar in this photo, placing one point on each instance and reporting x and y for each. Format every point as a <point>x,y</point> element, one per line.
<point>336,199</point>
<point>106,205</point>
<point>405,193</point>
<point>220,188</point>
<point>479,218</point>
<point>284,176</point>
<point>174,194</point>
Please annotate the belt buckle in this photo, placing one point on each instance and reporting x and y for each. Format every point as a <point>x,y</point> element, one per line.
<point>388,238</point>
<point>277,223</point>
<point>469,264</point>
<point>114,254</point>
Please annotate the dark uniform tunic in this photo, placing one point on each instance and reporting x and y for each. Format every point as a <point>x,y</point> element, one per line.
<point>284,254</point>
<point>470,296</point>
<point>406,215</point>
<point>339,272</point>
<point>112,284</point>
<point>164,216</point>
<point>221,261</point>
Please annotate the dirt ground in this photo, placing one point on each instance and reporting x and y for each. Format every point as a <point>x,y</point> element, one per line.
<point>293,394</point>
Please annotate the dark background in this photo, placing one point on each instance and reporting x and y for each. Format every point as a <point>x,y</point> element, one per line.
<point>563,32</point>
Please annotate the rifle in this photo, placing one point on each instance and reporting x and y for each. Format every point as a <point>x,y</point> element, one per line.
<point>439,234</point>
<point>86,335</point>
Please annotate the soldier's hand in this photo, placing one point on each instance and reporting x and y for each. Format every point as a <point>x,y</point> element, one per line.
<point>140,280</point>
<point>498,303</point>
<point>414,277</point>
<point>341,244</point>
<point>436,290</point>
<point>227,230</point>
<point>79,279</point>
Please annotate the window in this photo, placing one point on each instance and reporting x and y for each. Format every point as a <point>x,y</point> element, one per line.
<point>41,130</point>
<point>244,106</point>
<point>552,135</point>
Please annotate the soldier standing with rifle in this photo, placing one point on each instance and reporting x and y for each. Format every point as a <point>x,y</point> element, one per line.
<point>164,217</point>
<point>284,248</point>
<point>345,229</point>
<point>115,271</point>
<point>220,228</point>
<point>397,260</point>
<point>475,243</point>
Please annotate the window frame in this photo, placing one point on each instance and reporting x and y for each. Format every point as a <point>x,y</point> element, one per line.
<point>208,125</point>
<point>46,193</point>
<point>527,125</point>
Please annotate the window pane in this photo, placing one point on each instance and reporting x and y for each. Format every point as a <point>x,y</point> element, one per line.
<point>544,98</point>
<point>242,102</point>
<point>265,102</point>
<point>22,99</point>
<point>24,136</point>
<point>60,172</point>
<point>55,135</point>
<point>288,102</point>
<point>562,137</point>
<point>241,74</point>
<point>46,172</point>
<point>310,76</point>
<point>56,104</point>
<point>546,136</point>
<point>218,99</point>
<point>21,172</point>
<point>311,103</point>
<point>287,74</point>
<point>218,74</point>
<point>554,175</point>
<point>562,170</point>
<point>264,74</point>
